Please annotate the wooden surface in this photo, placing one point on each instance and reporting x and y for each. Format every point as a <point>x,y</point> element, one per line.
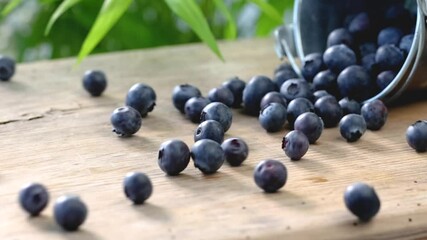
<point>54,133</point>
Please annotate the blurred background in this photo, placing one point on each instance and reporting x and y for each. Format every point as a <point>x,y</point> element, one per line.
<point>146,24</point>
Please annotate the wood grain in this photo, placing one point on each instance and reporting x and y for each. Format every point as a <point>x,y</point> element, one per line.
<point>54,133</point>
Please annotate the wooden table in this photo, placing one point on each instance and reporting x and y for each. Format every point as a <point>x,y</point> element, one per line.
<point>54,133</point>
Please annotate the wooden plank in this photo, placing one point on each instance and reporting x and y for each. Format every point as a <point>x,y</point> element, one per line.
<point>54,133</point>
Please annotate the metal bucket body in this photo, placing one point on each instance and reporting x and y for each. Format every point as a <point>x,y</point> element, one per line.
<point>315,19</point>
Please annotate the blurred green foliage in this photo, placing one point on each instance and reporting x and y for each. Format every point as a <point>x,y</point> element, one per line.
<point>145,24</point>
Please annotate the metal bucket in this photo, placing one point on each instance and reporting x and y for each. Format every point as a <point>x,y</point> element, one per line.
<point>313,20</point>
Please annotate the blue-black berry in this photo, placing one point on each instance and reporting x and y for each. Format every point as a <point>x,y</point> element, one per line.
<point>33,198</point>
<point>173,157</point>
<point>362,200</point>
<point>137,187</point>
<point>270,175</point>
<point>70,212</point>
<point>126,121</point>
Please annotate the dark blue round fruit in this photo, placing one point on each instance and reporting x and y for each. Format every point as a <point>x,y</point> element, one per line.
<point>142,98</point>
<point>296,88</point>
<point>218,112</point>
<point>352,127</point>
<point>283,76</point>
<point>362,200</point>
<point>194,107</point>
<point>7,68</point>
<point>367,48</point>
<point>416,136</point>
<point>406,43</point>
<point>375,114</point>
<point>338,57</point>
<point>385,78</point>
<point>270,175</point>
<point>273,97</point>
<point>390,35</point>
<point>236,151</point>
<point>295,144</point>
<point>311,125</point>
<point>329,110</point>
<point>254,91</point>
<point>33,198</point>
<point>312,64</point>
<point>222,95</point>
<point>349,106</point>
<point>94,82</point>
<point>273,117</point>
<point>389,57</point>
<point>236,86</point>
<point>209,129</point>
<point>70,212</point>
<point>340,36</point>
<point>360,26</point>
<point>354,82</point>
<point>137,187</point>
<point>182,93</point>
<point>126,121</point>
<point>326,80</point>
<point>297,107</point>
<point>173,157</point>
<point>207,155</point>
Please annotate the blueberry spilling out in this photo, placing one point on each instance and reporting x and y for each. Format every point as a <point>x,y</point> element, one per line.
<point>236,151</point>
<point>208,156</point>
<point>312,65</point>
<point>7,68</point>
<point>126,121</point>
<point>297,107</point>
<point>362,200</point>
<point>209,129</point>
<point>193,108</point>
<point>311,125</point>
<point>137,187</point>
<point>33,198</point>
<point>222,95</point>
<point>270,175</point>
<point>273,97</point>
<point>295,144</point>
<point>182,93</point>
<point>296,88</point>
<point>375,114</point>
<point>352,127</point>
<point>142,98</point>
<point>70,212</point>
<point>173,157</point>
<point>236,86</point>
<point>254,91</point>
<point>416,136</point>
<point>273,117</point>
<point>94,82</point>
<point>219,112</point>
<point>329,110</point>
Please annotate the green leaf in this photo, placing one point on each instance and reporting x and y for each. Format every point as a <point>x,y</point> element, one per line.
<point>231,29</point>
<point>191,13</point>
<point>10,7</point>
<point>65,5</point>
<point>265,24</point>
<point>110,13</point>
<point>269,10</point>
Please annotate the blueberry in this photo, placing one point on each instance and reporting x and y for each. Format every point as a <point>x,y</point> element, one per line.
<point>126,121</point>
<point>174,156</point>
<point>236,86</point>
<point>352,127</point>
<point>296,88</point>
<point>320,93</point>
<point>222,95</point>
<point>340,36</point>
<point>367,48</point>
<point>295,144</point>
<point>70,212</point>
<point>193,108</point>
<point>312,64</point>
<point>375,114</point>
<point>218,112</point>
<point>273,117</point>
<point>362,200</point>
<point>369,64</point>
<point>311,125</point>
<point>94,82</point>
<point>33,198</point>
<point>236,151</point>
<point>270,175</point>
<point>257,87</point>
<point>182,93</point>
<point>297,107</point>
<point>360,26</point>
<point>385,78</point>
<point>209,129</point>
<point>354,82</point>
<point>390,35</point>
<point>273,97</point>
<point>137,187</point>
<point>416,136</point>
<point>142,98</point>
<point>338,57</point>
<point>283,76</point>
<point>329,110</point>
<point>326,80</point>
<point>396,14</point>
<point>389,57</point>
<point>406,43</point>
<point>349,106</point>
<point>285,67</point>
<point>207,155</point>
<point>7,68</point>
